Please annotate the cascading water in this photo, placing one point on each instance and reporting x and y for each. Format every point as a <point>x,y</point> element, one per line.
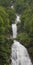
<point>19,54</point>
<point>14,29</point>
<point>17,18</point>
<point>12,7</point>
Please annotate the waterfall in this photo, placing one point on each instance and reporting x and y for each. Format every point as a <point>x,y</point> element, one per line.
<point>12,7</point>
<point>19,54</point>
<point>17,18</point>
<point>14,29</point>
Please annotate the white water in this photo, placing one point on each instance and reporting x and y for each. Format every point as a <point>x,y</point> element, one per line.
<point>14,29</point>
<point>19,54</point>
<point>12,7</point>
<point>17,16</point>
<point>17,19</point>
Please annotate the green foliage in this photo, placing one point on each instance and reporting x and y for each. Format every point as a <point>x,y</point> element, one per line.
<point>4,24</point>
<point>27,21</point>
<point>12,15</point>
<point>5,3</point>
<point>25,28</point>
<point>24,39</point>
<point>21,5</point>
<point>5,44</point>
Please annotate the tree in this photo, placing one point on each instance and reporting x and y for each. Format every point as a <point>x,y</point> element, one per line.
<point>26,36</point>
<point>5,3</point>
<point>5,44</point>
<point>12,15</point>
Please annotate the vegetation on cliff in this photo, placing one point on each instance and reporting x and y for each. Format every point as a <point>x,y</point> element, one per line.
<point>25,27</point>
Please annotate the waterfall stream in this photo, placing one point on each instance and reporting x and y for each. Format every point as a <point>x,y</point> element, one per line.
<point>17,18</point>
<point>14,29</point>
<point>19,54</point>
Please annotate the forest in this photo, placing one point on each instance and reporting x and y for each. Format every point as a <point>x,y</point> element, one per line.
<point>24,8</point>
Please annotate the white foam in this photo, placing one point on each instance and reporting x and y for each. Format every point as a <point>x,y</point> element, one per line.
<point>19,54</point>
